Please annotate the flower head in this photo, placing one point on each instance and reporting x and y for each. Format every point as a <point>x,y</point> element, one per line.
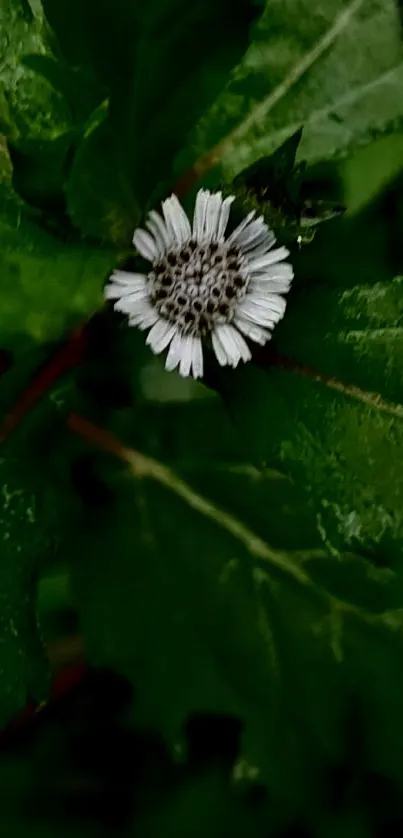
<point>203,286</point>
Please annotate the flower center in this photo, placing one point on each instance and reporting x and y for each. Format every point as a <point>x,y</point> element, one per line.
<point>198,286</point>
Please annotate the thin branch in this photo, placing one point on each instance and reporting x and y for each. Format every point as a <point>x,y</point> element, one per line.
<point>62,361</point>
<point>372,400</point>
<point>145,467</point>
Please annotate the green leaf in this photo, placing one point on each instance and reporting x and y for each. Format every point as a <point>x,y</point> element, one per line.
<point>335,68</point>
<point>334,438</point>
<point>97,38</point>
<point>47,286</point>
<point>39,171</point>
<point>184,75</point>
<point>81,91</point>
<point>220,599</point>
<point>292,200</point>
<point>99,198</point>
<point>272,170</point>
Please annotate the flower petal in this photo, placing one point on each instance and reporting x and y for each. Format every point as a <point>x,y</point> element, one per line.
<point>121,283</point>
<point>145,244</point>
<point>187,356</point>
<point>263,286</point>
<point>200,214</point>
<point>243,348</point>
<point>253,234</point>
<point>252,331</point>
<point>259,247</point>
<point>213,213</point>
<point>233,238</point>
<point>197,358</point>
<point>160,335</point>
<point>176,220</point>
<point>159,230</point>
<point>281,270</point>
<point>131,303</point>
<point>224,217</point>
<point>269,259</point>
<point>219,349</point>
<point>264,311</point>
<point>175,352</point>
<point>144,316</point>
<point>233,343</point>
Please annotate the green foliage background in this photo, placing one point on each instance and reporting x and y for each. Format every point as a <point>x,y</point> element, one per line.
<point>234,576</point>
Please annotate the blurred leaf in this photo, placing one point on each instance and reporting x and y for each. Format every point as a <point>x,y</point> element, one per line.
<point>25,546</point>
<point>220,599</point>
<point>335,68</point>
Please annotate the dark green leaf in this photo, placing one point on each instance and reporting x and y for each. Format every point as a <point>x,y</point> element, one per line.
<point>159,74</point>
<point>288,196</point>
<point>335,444</point>
<point>80,90</point>
<point>100,200</point>
<point>222,600</point>
<point>39,171</point>
<point>29,105</point>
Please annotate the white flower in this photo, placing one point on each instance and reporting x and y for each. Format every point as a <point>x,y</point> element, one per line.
<point>202,285</point>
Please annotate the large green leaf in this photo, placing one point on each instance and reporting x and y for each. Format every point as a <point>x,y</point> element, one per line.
<point>334,67</point>
<point>221,598</point>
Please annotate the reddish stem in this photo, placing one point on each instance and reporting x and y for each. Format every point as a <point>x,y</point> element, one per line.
<point>63,685</point>
<point>64,359</point>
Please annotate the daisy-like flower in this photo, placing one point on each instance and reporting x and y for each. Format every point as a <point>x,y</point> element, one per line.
<point>202,286</point>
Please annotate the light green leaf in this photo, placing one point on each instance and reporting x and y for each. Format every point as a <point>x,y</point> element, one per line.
<point>29,105</point>
<point>334,67</point>
<point>47,286</point>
